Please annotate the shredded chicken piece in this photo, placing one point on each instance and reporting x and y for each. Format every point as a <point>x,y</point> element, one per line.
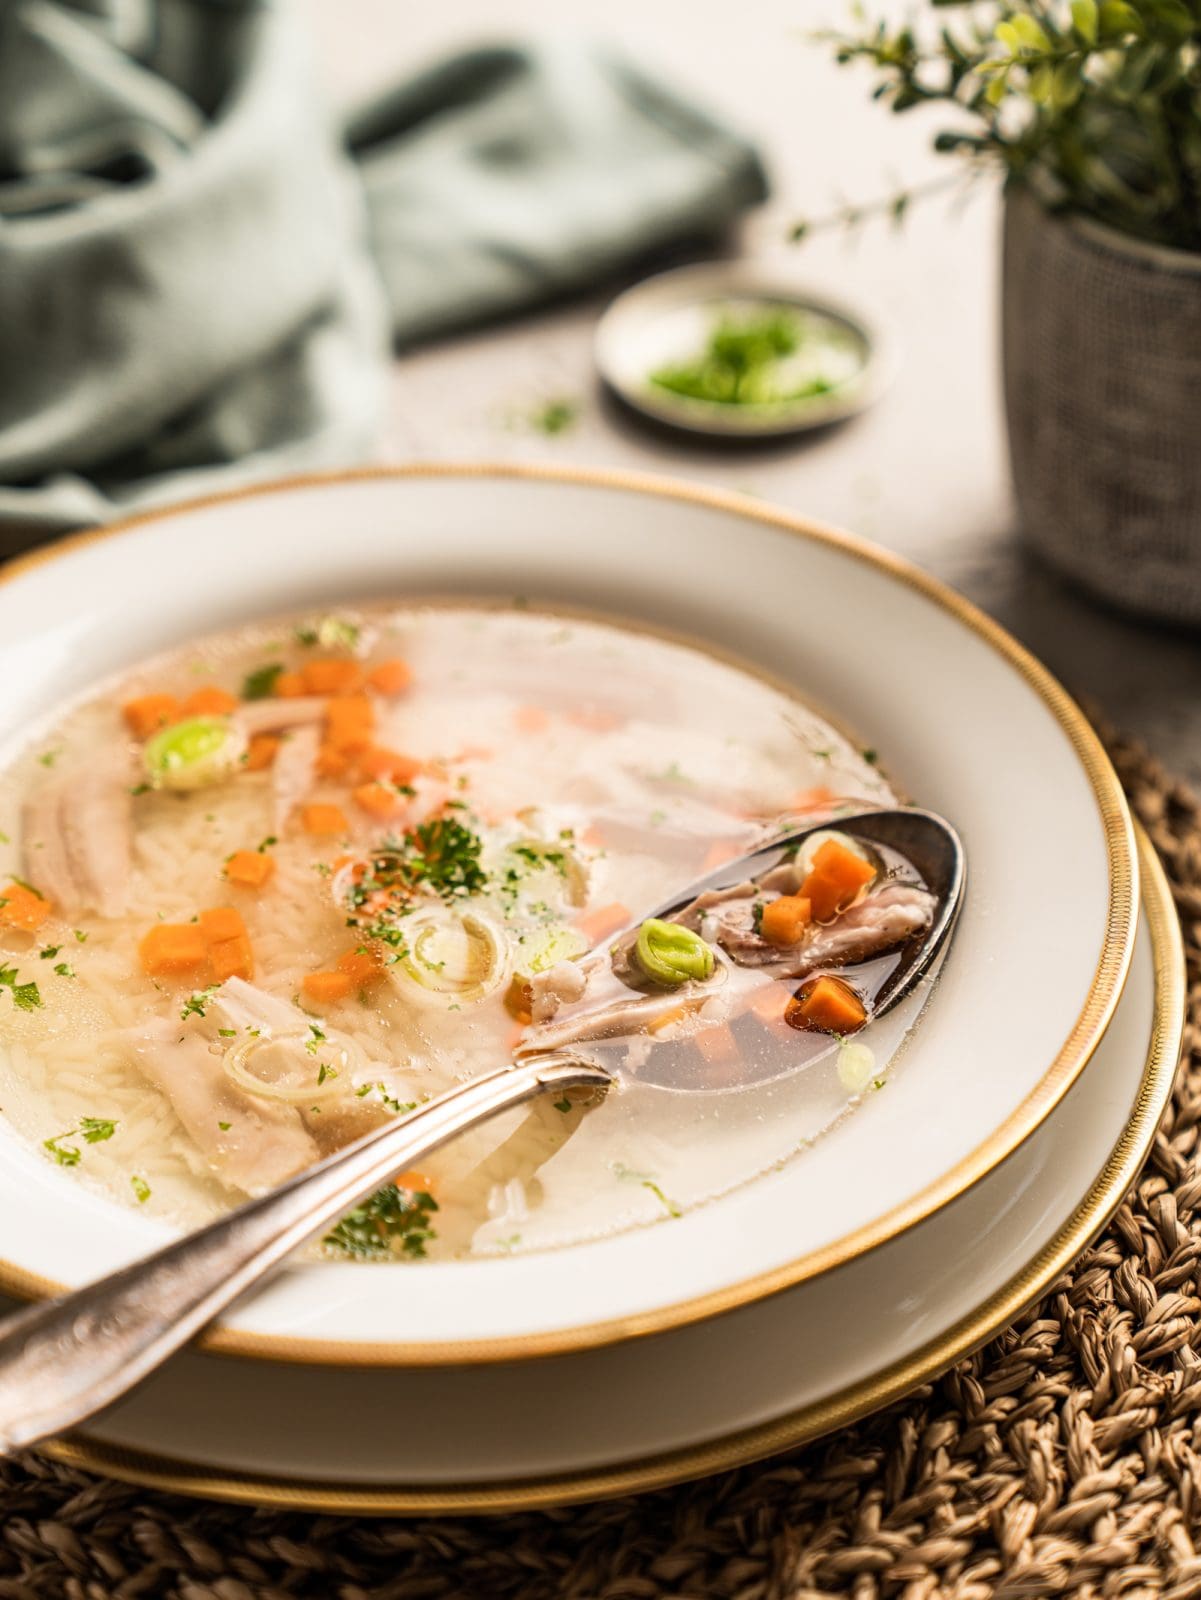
<point>336,1118</point>
<point>277,716</point>
<point>635,1013</point>
<point>294,772</point>
<point>559,985</point>
<point>263,1143</point>
<point>881,921</point>
<point>77,839</point>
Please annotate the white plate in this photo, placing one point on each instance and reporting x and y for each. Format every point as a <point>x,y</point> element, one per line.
<point>666,318</point>
<point>654,1411</point>
<point>970,724</point>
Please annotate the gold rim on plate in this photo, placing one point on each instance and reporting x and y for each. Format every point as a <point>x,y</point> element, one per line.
<point>1108,980</point>
<point>784,1433</point>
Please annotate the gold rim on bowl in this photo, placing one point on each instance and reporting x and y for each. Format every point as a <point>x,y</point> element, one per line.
<point>1108,979</point>
<point>783,1433</point>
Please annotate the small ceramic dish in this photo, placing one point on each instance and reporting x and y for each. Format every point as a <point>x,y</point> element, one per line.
<point>650,338</point>
<point>965,722</point>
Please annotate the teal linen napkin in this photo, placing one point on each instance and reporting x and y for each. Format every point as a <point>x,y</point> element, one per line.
<point>201,281</point>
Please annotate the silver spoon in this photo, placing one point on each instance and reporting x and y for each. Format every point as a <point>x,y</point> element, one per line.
<point>65,1359</point>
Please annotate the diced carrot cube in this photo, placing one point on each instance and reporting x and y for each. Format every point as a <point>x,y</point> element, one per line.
<point>414,1183</point>
<point>331,676</point>
<point>172,947</point>
<point>379,801</point>
<point>784,920</point>
<point>718,1045</point>
<point>323,819</point>
<point>332,762</point>
<point>250,869</point>
<point>149,713</point>
<point>23,908</point>
<point>596,926</point>
<point>391,677</point>
<point>289,686</point>
<point>262,751</point>
<point>232,958</point>
<point>826,1005</point>
<point>222,922</point>
<point>531,719</point>
<point>835,878</point>
<point>209,701</point>
<point>349,720</point>
<point>376,762</point>
<point>360,966</point>
<point>326,986</point>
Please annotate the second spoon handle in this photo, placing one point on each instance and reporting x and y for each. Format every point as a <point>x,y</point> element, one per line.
<point>63,1360</point>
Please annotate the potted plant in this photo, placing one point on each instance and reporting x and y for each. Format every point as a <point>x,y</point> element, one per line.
<point>1091,110</point>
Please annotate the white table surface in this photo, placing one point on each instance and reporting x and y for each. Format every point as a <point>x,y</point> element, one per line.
<point>925,471</point>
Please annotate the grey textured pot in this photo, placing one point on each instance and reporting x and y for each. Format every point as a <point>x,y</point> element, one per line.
<point>1102,362</point>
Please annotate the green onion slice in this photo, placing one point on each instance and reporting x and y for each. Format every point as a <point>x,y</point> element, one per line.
<point>191,754</point>
<point>670,955</point>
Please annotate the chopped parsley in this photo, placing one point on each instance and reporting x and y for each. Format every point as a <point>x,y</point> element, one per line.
<point>757,911</point>
<point>265,844</point>
<point>398,1107</point>
<point>196,1003</point>
<point>392,1222</point>
<point>49,757</point>
<point>260,684</point>
<point>48,952</point>
<point>870,756</point>
<point>81,936</point>
<point>141,1189</point>
<point>26,996</point>
<point>445,856</point>
<point>64,969</point>
<point>318,1038</point>
<point>324,1072</point>
<point>93,1130</point>
<point>555,416</point>
<point>627,1175</point>
<point>226,1033</point>
<point>670,1206</point>
<point>563,1105</point>
<point>224,1126</point>
<point>67,1155</point>
<point>331,633</point>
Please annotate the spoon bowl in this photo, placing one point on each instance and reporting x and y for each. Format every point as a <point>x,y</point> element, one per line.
<point>926,847</point>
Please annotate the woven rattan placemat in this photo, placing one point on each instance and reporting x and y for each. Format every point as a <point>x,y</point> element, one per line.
<point>1061,1459</point>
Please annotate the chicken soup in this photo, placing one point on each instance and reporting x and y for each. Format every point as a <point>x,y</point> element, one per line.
<point>285,884</point>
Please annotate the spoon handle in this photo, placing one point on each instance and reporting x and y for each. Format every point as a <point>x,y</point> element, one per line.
<point>63,1360</point>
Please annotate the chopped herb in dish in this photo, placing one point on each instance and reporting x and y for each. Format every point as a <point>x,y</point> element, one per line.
<point>761,357</point>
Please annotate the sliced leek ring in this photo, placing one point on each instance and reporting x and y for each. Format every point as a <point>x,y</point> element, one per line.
<point>313,1075</point>
<point>451,959</point>
<point>194,753</point>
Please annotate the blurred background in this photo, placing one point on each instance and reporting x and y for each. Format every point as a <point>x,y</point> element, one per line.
<point>187,301</point>
<point>924,471</point>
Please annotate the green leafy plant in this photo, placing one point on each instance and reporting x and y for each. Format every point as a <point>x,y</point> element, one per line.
<point>1097,103</point>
